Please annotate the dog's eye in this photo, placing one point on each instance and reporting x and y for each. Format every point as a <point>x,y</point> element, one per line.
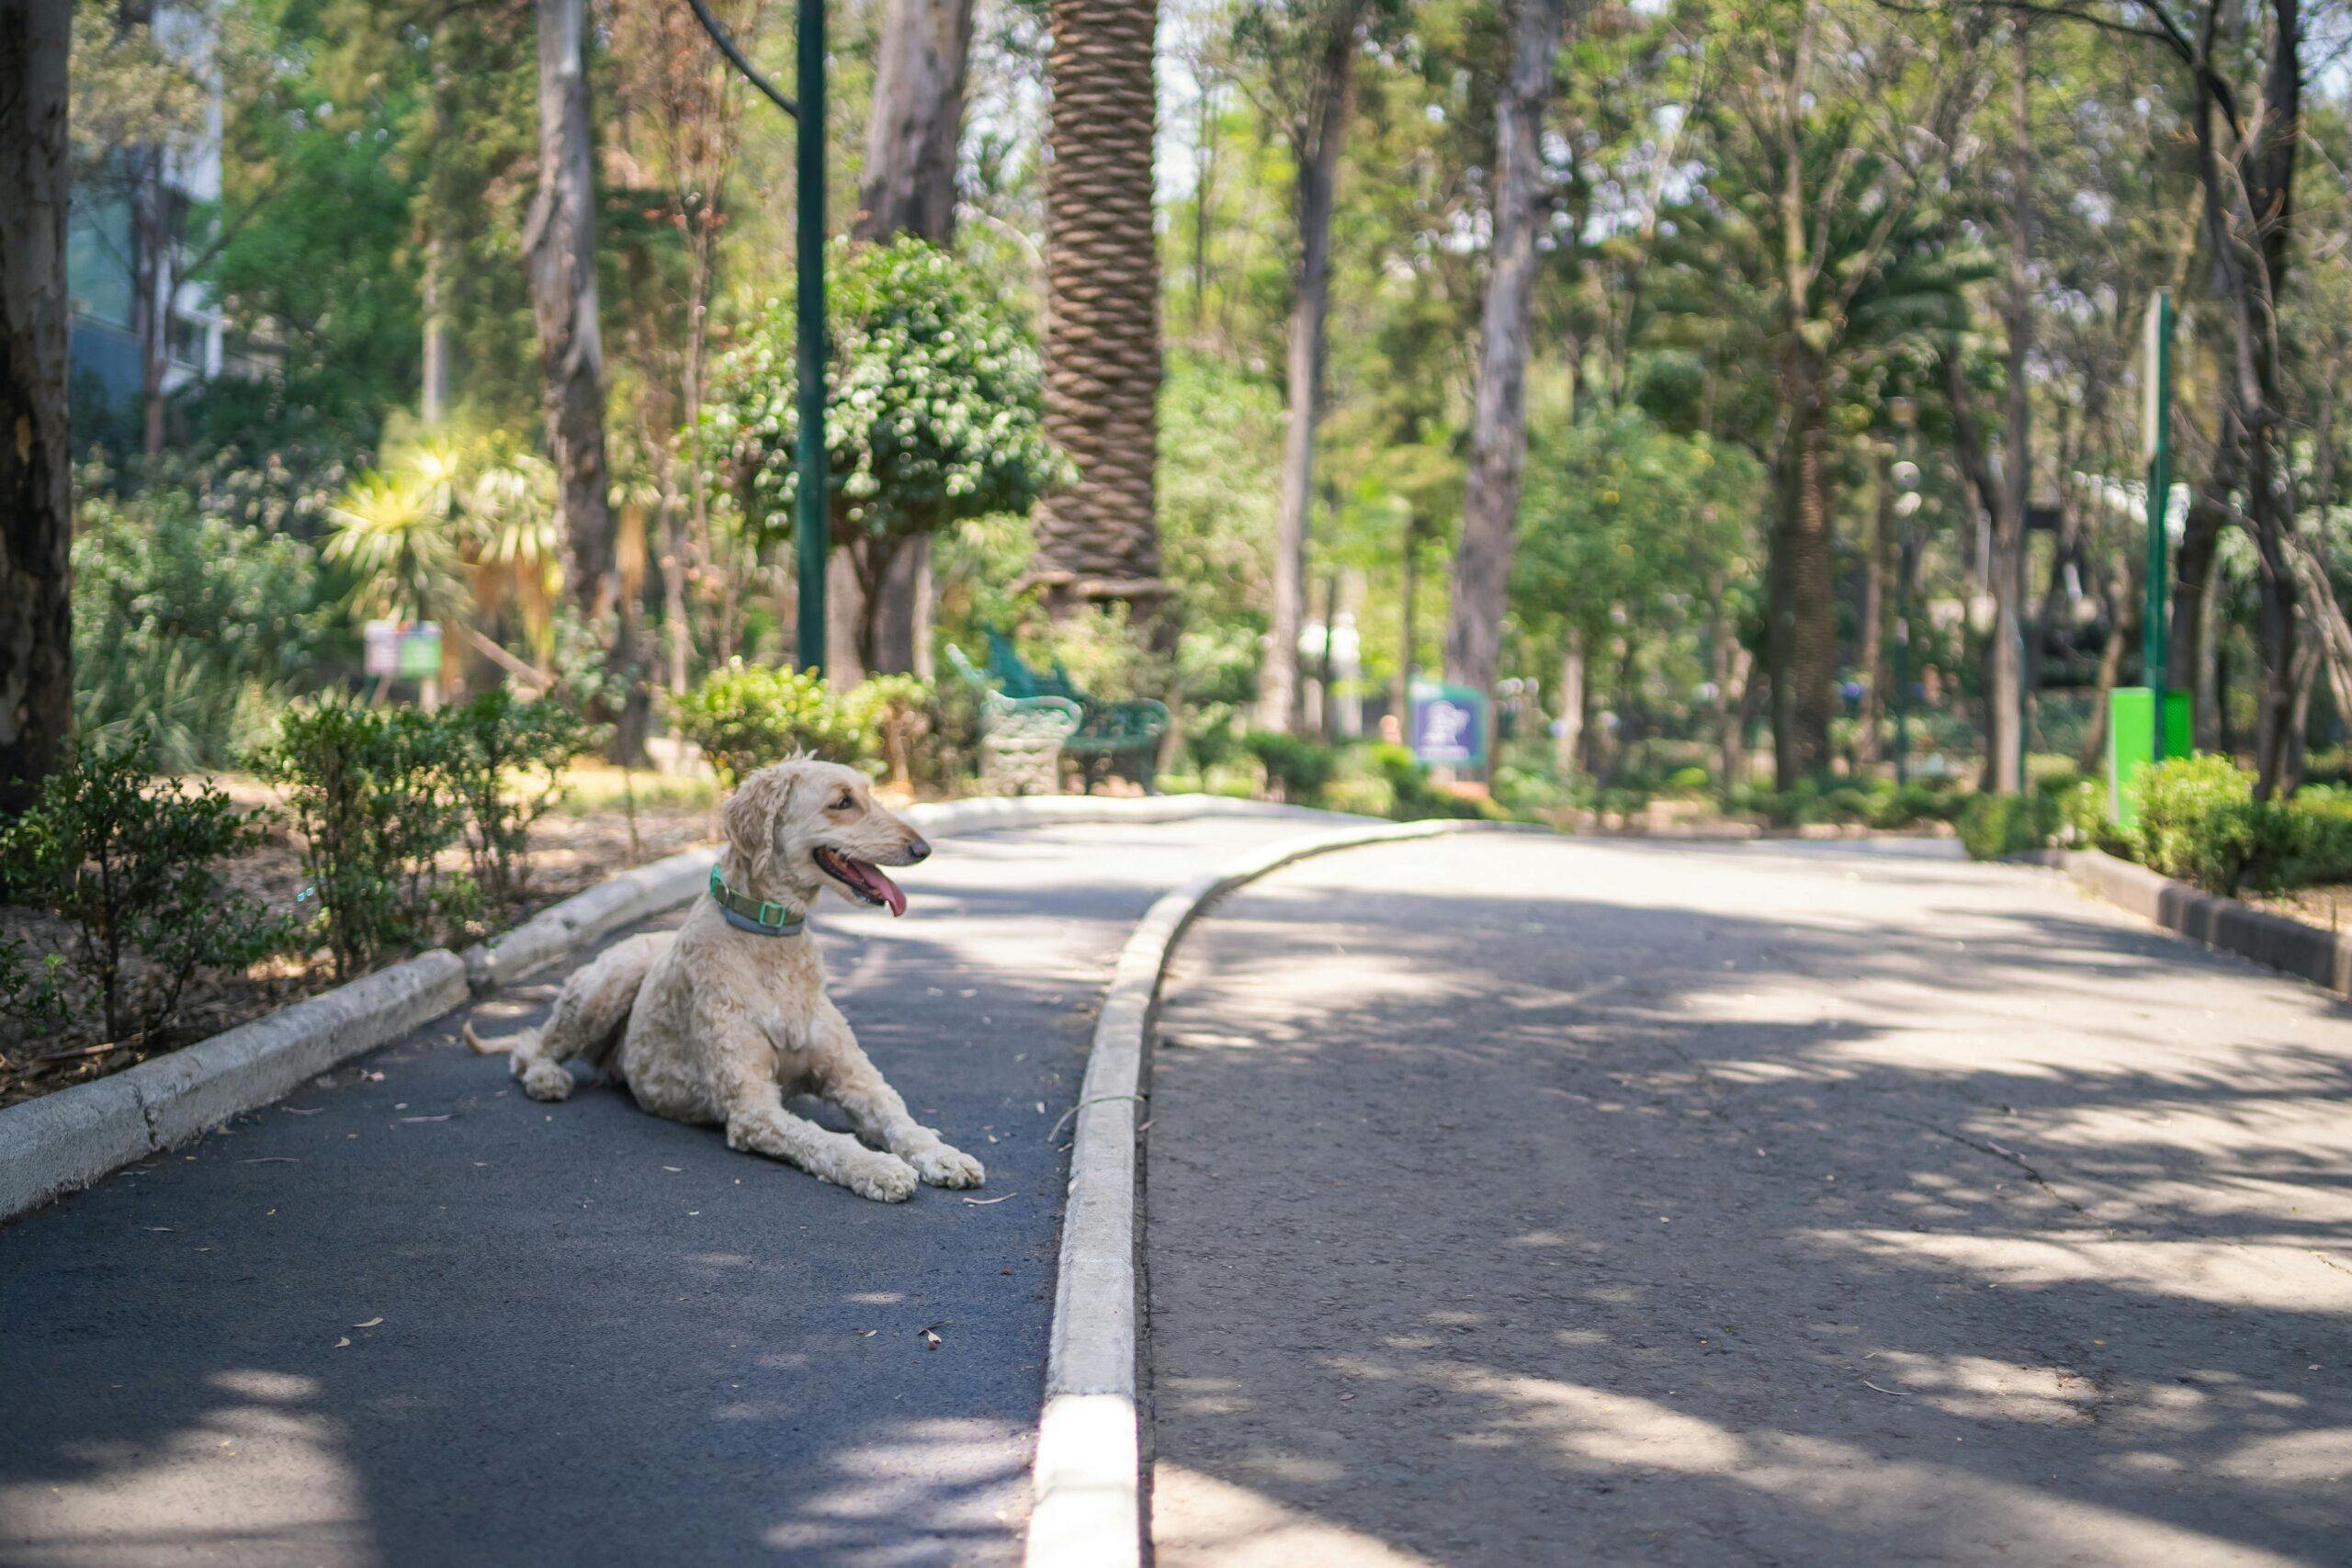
<point>845,802</point>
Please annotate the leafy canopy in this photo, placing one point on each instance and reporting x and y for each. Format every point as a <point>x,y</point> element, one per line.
<point>934,400</point>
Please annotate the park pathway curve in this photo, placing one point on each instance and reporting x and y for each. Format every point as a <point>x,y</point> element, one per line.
<point>411,1317</point>
<point>1516,1200</point>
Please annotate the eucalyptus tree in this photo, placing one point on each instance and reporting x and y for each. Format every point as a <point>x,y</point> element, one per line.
<point>914,132</point>
<point>1498,407</point>
<point>1302,56</point>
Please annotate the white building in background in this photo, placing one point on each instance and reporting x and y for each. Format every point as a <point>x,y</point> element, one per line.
<point>101,246</point>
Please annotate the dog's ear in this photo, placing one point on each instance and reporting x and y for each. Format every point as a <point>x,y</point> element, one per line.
<point>751,814</point>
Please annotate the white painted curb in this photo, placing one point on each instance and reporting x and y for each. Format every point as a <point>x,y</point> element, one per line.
<point>64,1141</point>
<point>1088,1511</point>
<point>69,1139</point>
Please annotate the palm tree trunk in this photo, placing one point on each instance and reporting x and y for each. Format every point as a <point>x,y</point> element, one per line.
<point>1499,414</point>
<point>1100,538</point>
<point>36,465</point>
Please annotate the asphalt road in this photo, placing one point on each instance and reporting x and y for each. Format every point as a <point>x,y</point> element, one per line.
<point>1529,1202</point>
<point>411,1317</point>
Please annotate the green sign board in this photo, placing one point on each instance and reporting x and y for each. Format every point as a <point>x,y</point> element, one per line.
<point>1448,724</point>
<point>2132,744</point>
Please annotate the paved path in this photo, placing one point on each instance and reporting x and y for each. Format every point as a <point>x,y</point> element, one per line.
<point>413,1318</point>
<point>1520,1201</point>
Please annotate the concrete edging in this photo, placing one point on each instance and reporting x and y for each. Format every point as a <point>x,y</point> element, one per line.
<point>2325,958</point>
<point>64,1141</point>
<point>1088,1511</point>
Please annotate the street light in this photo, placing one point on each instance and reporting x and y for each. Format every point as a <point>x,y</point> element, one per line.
<point>812,485</point>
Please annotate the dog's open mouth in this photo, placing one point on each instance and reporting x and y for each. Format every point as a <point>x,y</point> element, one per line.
<point>863,878</point>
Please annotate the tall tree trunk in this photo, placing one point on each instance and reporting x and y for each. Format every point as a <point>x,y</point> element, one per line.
<point>2004,653</point>
<point>1315,147</point>
<point>2117,600</point>
<point>1876,569</point>
<point>916,128</point>
<point>1099,539</point>
<point>1801,642</point>
<point>432,395</point>
<point>1408,649</point>
<point>35,459</point>
<point>1499,414</point>
<point>560,245</point>
<point>912,139</point>
<point>1567,743</point>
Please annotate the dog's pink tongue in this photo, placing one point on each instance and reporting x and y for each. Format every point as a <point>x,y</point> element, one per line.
<point>888,889</point>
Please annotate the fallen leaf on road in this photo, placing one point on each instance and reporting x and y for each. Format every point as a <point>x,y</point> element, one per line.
<point>301,1109</point>
<point>369,1323</point>
<point>342,1342</point>
<point>674,1167</point>
<point>867,1333</point>
<point>984,1202</point>
<point>162,1227</point>
<point>443,1117</point>
<point>930,1340</point>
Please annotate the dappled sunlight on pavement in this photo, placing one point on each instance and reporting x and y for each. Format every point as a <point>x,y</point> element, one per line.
<point>1517,1200</point>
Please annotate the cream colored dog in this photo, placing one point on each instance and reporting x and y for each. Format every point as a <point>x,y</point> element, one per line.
<point>726,1019</point>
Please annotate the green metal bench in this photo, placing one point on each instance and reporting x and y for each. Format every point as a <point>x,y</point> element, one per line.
<point>1109,739</point>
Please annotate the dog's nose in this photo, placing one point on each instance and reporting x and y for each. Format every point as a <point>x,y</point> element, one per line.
<point>917,850</point>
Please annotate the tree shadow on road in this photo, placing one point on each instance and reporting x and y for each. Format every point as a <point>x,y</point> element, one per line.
<point>1523,1224</point>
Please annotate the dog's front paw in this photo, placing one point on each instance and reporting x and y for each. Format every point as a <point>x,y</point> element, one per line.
<point>885,1179</point>
<point>944,1166</point>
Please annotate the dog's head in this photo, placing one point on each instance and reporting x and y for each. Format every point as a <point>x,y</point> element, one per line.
<point>798,827</point>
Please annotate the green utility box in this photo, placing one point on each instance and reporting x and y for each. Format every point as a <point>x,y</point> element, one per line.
<point>2132,744</point>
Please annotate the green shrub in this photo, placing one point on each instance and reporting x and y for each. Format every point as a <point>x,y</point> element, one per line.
<point>748,715</point>
<point>1416,799</point>
<point>1365,797</point>
<point>1297,767</point>
<point>1688,783</point>
<point>1992,826</point>
<point>134,862</point>
<point>505,759</point>
<point>2318,837</point>
<point>1523,789</point>
<point>2199,822</point>
<point>373,794</point>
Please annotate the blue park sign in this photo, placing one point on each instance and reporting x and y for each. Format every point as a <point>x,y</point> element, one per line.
<point>1448,724</point>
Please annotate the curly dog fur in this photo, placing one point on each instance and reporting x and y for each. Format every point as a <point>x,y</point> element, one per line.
<point>715,1024</point>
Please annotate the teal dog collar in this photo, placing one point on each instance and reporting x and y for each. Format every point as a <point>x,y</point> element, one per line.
<point>760,917</point>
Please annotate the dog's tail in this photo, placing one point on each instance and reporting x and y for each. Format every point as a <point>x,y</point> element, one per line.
<point>590,1018</point>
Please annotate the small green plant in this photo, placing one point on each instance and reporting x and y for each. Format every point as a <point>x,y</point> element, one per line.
<point>1992,826</point>
<point>1296,767</point>
<point>506,758</point>
<point>134,862</point>
<point>747,715</point>
<point>374,797</point>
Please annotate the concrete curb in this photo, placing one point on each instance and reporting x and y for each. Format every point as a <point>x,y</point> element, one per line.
<point>65,1141</point>
<point>1089,1508</point>
<point>2325,958</point>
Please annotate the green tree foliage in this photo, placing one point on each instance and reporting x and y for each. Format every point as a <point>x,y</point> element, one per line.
<point>933,413</point>
<point>194,611</point>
